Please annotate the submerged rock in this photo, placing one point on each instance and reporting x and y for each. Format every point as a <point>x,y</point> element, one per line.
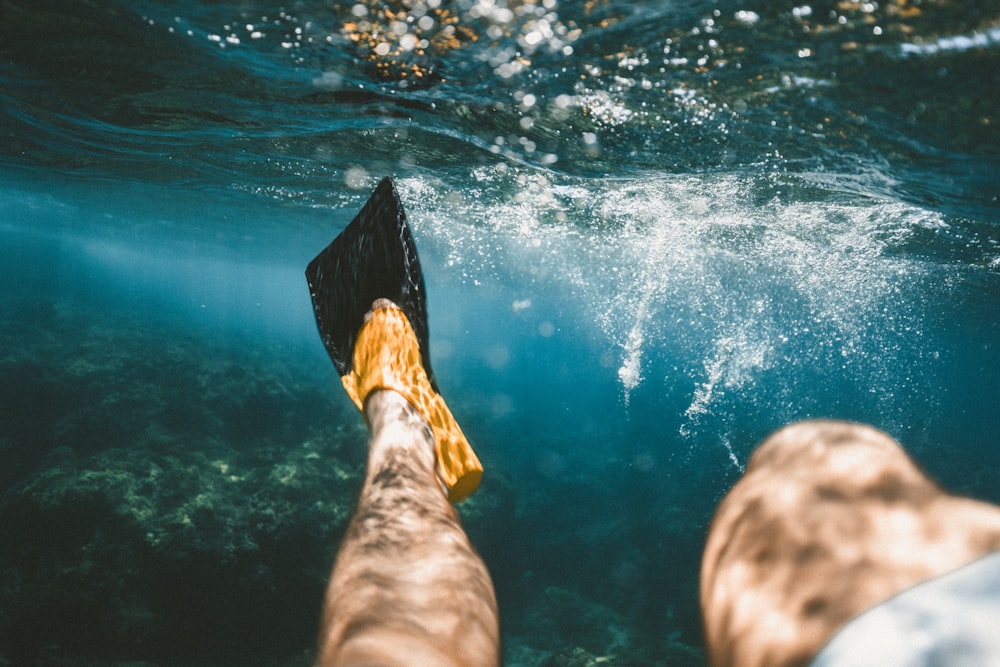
<point>185,506</point>
<point>678,656</point>
<point>577,657</point>
<point>177,507</point>
<point>172,508</point>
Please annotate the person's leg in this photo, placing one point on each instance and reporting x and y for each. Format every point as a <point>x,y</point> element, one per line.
<point>830,519</point>
<point>407,588</point>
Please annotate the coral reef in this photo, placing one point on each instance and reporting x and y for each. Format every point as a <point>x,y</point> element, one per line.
<point>165,499</point>
<point>172,499</point>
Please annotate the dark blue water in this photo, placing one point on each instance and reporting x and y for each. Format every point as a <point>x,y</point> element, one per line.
<point>652,234</point>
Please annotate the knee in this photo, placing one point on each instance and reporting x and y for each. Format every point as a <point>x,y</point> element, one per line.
<point>827,449</point>
<point>815,483</point>
<point>773,545</point>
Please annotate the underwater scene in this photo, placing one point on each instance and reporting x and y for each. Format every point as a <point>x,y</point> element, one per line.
<point>652,233</point>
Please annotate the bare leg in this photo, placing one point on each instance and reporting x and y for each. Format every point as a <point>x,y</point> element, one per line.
<point>407,588</point>
<point>829,520</point>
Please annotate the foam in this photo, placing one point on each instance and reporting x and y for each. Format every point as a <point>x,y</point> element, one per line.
<point>691,280</point>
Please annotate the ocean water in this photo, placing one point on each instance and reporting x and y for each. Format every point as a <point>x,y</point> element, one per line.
<point>652,233</point>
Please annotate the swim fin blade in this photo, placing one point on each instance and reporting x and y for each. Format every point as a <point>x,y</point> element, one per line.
<point>375,258</point>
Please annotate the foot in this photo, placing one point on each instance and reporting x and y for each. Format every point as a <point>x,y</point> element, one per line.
<point>387,356</point>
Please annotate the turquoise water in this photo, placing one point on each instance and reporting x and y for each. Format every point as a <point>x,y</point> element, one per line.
<point>652,233</point>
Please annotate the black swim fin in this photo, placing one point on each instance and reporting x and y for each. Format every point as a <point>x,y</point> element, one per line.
<point>374,257</point>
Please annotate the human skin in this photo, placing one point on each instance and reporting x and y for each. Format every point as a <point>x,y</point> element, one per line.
<point>407,588</point>
<point>829,519</point>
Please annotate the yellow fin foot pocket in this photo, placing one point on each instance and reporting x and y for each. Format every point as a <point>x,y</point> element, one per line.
<point>387,356</point>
